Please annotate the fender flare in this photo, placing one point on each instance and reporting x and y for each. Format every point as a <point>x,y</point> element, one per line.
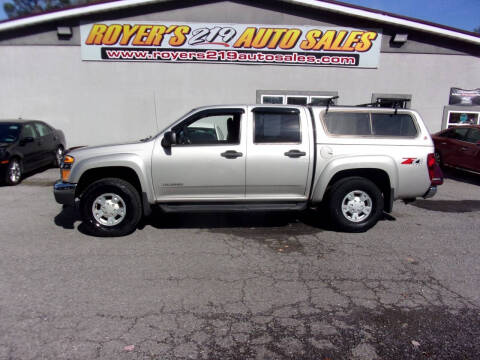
<point>369,162</point>
<point>127,160</point>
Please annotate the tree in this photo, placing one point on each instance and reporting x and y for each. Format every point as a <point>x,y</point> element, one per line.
<point>17,8</point>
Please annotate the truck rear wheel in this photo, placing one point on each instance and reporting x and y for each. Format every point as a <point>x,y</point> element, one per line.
<point>355,204</point>
<point>111,207</point>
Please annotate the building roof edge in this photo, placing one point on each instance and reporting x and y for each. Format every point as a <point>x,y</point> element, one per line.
<point>328,5</point>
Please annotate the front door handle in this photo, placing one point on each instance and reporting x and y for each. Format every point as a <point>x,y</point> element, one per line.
<point>463,149</point>
<point>295,153</point>
<point>231,154</point>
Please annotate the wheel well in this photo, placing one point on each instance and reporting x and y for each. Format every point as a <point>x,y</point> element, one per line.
<point>120,172</point>
<point>377,176</point>
<point>17,157</point>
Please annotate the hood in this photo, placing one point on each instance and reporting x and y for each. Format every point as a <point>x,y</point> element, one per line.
<point>5,145</point>
<point>101,150</point>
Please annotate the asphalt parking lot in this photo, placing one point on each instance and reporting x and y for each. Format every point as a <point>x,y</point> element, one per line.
<point>254,286</point>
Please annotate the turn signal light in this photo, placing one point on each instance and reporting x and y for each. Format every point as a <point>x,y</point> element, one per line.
<point>66,167</point>
<point>67,159</point>
<point>65,174</point>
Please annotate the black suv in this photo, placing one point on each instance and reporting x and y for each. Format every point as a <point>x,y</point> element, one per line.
<point>26,145</point>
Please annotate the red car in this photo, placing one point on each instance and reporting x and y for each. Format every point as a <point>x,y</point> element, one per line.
<point>459,147</point>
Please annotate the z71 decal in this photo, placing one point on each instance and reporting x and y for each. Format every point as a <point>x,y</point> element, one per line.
<point>411,161</point>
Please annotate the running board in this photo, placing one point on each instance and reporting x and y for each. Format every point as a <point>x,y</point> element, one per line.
<point>235,207</point>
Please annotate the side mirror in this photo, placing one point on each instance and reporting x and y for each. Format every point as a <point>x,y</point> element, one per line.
<point>26,140</point>
<point>169,138</point>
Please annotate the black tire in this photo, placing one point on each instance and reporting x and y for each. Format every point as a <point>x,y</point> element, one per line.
<point>131,204</point>
<point>338,195</point>
<point>14,172</point>
<point>58,159</point>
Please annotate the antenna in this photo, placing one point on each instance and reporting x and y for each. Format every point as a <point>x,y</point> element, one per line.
<point>155,109</point>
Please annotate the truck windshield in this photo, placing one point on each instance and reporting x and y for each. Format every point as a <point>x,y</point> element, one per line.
<point>9,133</point>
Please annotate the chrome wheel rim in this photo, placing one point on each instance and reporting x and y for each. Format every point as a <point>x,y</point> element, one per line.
<point>14,172</point>
<point>59,155</point>
<point>109,209</point>
<point>356,206</point>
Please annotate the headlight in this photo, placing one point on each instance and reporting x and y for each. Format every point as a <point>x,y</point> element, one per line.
<point>66,167</point>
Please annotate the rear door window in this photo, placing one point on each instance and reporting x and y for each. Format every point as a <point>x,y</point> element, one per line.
<point>395,125</point>
<point>277,127</point>
<point>458,134</point>
<point>348,123</point>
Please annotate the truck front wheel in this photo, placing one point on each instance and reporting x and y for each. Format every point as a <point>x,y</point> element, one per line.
<point>111,207</point>
<point>355,204</point>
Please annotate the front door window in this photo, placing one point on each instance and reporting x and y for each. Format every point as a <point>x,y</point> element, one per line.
<point>210,130</point>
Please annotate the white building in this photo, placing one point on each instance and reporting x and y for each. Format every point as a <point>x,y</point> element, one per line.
<point>122,70</point>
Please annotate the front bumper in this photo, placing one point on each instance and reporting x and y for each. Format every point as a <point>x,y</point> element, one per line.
<point>432,190</point>
<point>64,192</point>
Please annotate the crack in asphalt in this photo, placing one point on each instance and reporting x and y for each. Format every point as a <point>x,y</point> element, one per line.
<point>334,318</point>
<point>240,287</point>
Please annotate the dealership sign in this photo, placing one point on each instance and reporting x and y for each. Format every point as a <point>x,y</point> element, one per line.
<point>464,97</point>
<point>230,43</point>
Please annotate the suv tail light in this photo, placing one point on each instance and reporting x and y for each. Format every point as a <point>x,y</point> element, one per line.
<point>434,171</point>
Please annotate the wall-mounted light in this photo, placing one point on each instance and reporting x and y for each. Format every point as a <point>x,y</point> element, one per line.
<point>400,39</point>
<point>64,32</point>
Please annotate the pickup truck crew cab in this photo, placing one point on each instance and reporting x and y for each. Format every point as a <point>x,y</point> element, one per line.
<point>354,160</point>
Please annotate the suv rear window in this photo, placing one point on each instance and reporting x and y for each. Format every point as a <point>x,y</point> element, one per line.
<point>346,123</point>
<point>370,124</point>
<point>393,125</point>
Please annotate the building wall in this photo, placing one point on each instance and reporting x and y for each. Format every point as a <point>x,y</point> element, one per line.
<point>103,102</point>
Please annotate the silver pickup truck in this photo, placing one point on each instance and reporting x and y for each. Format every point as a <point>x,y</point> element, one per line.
<point>355,161</point>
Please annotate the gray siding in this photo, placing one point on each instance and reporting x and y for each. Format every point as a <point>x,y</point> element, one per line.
<point>95,102</point>
<point>100,102</point>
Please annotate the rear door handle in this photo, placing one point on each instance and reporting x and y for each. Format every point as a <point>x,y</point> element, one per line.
<point>231,154</point>
<point>295,153</point>
<point>463,149</point>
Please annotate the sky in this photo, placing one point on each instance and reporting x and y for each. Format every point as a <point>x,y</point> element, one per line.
<point>462,14</point>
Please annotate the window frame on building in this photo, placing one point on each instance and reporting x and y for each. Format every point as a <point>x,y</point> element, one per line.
<point>285,94</point>
<point>449,123</point>
<point>456,109</point>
